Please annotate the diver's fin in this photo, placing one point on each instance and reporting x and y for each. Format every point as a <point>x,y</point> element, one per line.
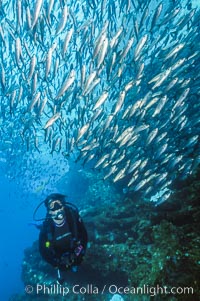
<point>60,279</point>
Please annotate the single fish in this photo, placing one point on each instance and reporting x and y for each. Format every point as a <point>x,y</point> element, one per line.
<point>52,120</point>
<point>101,100</point>
<point>63,20</point>
<point>66,84</point>
<point>38,7</point>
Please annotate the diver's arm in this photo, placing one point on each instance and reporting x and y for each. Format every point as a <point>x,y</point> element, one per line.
<point>82,232</point>
<point>46,250</point>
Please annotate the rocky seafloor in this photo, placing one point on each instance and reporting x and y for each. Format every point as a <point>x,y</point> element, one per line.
<point>132,243</point>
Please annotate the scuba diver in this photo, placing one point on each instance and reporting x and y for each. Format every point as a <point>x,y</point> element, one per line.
<point>63,236</point>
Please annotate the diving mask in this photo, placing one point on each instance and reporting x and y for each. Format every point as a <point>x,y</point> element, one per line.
<point>56,210</point>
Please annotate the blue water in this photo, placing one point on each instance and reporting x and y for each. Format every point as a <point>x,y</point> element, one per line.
<point>16,235</point>
<point>19,198</point>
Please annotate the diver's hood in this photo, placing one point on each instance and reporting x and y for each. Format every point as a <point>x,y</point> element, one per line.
<point>54,197</point>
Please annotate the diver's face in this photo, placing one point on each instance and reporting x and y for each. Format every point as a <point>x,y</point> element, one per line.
<point>56,210</point>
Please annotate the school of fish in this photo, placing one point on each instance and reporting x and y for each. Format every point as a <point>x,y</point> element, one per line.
<point>114,84</point>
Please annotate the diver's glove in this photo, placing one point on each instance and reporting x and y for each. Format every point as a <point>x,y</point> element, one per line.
<point>79,250</point>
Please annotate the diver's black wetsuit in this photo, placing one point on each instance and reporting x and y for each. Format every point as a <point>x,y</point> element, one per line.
<point>57,244</point>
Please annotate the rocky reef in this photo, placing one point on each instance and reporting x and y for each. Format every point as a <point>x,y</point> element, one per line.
<point>132,243</point>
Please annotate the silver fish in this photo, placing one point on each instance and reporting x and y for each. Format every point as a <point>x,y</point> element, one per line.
<point>139,47</point>
<point>49,59</point>
<point>82,131</point>
<point>52,120</point>
<point>134,166</point>
<point>92,86</point>
<point>49,10</point>
<point>140,185</point>
<point>114,40</point>
<point>102,53</point>
<point>101,100</point>
<point>66,84</point>
<point>181,98</point>
<point>28,17</point>
<point>113,169</point>
<point>18,50</point>
<point>133,179</point>
<point>160,105</point>
<point>156,15</point>
<point>32,67</point>
<point>120,175</point>
<point>98,45</point>
<point>174,51</point>
<point>101,160</point>
<point>126,49</point>
<point>162,78</point>
<point>67,40</point>
<point>119,102</point>
<point>34,101</point>
<point>63,20</point>
<point>37,9</point>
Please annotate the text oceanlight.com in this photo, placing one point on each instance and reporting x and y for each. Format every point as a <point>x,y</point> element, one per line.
<point>56,289</point>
